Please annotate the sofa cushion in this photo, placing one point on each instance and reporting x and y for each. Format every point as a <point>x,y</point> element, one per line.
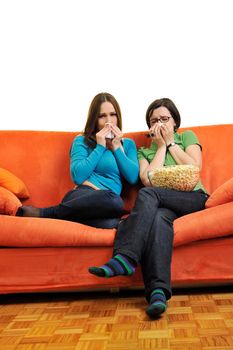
<point>37,232</point>
<point>42,232</point>
<point>205,224</point>
<point>9,203</point>
<point>223,194</point>
<point>12,183</point>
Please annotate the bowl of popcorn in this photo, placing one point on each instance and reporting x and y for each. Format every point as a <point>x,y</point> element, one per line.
<point>176,177</point>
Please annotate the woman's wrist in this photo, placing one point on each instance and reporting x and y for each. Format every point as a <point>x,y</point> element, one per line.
<point>171,145</point>
<point>116,143</point>
<point>162,145</point>
<point>101,145</point>
<point>169,141</point>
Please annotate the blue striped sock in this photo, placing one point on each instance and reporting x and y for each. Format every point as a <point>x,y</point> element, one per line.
<point>158,303</point>
<point>117,266</point>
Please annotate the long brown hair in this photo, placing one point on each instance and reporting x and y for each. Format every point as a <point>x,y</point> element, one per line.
<point>91,127</point>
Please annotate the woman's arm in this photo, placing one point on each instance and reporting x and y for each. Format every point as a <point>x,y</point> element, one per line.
<point>159,157</point>
<point>127,161</point>
<point>157,162</point>
<point>192,155</point>
<point>82,164</point>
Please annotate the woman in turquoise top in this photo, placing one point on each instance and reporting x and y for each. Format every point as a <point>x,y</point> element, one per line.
<point>146,236</point>
<point>100,160</point>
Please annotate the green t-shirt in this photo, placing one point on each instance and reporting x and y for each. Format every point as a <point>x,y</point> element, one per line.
<point>183,140</point>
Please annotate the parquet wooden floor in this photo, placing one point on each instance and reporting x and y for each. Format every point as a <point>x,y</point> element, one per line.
<point>195,319</point>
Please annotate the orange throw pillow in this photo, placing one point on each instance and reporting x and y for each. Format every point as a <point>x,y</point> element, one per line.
<point>13,184</point>
<point>223,194</point>
<point>205,224</point>
<point>9,203</point>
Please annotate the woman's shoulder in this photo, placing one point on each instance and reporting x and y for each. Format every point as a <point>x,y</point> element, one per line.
<point>79,138</point>
<point>128,142</point>
<point>153,146</point>
<point>187,137</point>
<point>187,133</point>
<point>78,141</point>
<point>147,152</point>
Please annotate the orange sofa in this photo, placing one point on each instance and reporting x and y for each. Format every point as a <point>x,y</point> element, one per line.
<point>51,255</point>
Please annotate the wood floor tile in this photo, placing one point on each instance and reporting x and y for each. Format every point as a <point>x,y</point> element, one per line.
<point>195,319</point>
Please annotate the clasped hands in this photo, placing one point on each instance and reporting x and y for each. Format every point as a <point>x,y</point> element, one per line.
<point>162,134</point>
<point>112,144</point>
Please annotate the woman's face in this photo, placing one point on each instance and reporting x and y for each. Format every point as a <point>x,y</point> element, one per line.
<point>107,115</point>
<point>161,115</point>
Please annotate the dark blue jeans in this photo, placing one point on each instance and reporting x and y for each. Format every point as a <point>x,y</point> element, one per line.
<point>97,208</point>
<point>146,236</point>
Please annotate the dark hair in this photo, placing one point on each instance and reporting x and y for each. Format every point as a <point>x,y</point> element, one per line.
<point>91,127</point>
<point>169,104</point>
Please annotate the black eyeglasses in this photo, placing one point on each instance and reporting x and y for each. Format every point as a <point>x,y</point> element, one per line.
<point>163,119</point>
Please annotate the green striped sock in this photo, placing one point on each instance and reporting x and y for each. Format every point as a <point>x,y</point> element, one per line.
<point>158,303</point>
<point>117,266</point>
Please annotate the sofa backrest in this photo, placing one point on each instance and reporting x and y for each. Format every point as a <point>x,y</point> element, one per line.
<point>41,160</point>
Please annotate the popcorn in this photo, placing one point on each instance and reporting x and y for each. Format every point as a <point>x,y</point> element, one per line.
<point>176,177</point>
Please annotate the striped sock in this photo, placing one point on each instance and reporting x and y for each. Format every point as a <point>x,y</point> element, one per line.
<point>158,303</point>
<point>117,266</point>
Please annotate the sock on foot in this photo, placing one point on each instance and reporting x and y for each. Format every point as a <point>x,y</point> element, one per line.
<point>19,212</point>
<point>158,303</point>
<point>117,266</point>
<point>28,210</point>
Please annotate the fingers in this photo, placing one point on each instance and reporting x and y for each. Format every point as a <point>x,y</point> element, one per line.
<point>168,127</point>
<point>104,131</point>
<point>101,135</point>
<point>155,131</point>
<point>117,132</point>
<point>167,133</point>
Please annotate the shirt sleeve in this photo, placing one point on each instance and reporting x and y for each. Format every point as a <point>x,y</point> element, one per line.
<point>190,138</point>
<point>82,162</point>
<point>127,161</point>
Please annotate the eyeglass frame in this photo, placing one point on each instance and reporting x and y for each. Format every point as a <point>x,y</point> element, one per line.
<point>162,121</point>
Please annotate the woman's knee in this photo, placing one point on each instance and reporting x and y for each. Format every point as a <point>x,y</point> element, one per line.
<point>145,191</point>
<point>115,201</point>
<point>148,195</point>
<point>165,215</point>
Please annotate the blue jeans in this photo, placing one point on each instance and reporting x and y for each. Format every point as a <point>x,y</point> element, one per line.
<point>97,208</point>
<point>146,236</point>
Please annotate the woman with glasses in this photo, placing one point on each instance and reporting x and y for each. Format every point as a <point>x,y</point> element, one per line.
<point>100,160</point>
<point>146,236</point>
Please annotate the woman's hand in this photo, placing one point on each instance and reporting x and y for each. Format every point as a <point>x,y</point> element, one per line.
<point>116,141</point>
<point>101,135</point>
<point>156,131</point>
<point>167,132</point>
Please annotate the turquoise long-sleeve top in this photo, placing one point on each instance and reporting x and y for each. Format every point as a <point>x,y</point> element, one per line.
<point>104,168</point>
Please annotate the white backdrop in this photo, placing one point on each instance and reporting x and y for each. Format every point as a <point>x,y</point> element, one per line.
<point>56,55</point>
